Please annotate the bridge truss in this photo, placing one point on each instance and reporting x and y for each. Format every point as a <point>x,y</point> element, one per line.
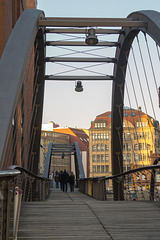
<point>22,71</point>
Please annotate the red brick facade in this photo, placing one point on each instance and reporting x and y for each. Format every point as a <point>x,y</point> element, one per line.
<point>10,10</point>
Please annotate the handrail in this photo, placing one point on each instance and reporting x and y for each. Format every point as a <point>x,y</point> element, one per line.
<point>21,169</point>
<point>98,188</point>
<point>150,167</point>
<point>19,180</point>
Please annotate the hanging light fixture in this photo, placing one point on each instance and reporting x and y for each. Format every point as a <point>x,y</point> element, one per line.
<point>79,87</point>
<point>91,38</point>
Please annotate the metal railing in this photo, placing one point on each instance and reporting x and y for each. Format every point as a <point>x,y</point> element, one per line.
<point>138,184</point>
<point>18,184</point>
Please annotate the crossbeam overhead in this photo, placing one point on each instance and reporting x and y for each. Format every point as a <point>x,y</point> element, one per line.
<point>75,78</point>
<point>90,22</point>
<point>72,59</point>
<point>81,31</point>
<point>80,43</point>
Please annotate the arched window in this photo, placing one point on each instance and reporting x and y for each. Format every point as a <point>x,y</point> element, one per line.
<point>102,147</point>
<point>98,147</point>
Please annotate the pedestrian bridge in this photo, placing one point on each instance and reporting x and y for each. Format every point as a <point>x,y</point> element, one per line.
<point>22,74</point>
<point>78,216</point>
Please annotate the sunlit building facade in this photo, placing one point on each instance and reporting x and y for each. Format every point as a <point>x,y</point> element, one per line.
<point>141,137</point>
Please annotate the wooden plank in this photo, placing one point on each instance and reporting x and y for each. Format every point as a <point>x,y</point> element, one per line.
<point>77,216</point>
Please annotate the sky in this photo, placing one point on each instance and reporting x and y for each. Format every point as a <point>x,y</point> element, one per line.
<point>62,104</point>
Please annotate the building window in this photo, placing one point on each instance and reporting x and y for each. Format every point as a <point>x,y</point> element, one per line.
<point>102,158</point>
<point>138,176</point>
<point>140,157</point>
<point>128,146</point>
<point>98,168</point>
<point>124,124</point>
<point>93,169</point>
<point>99,136</point>
<point>95,125</point>
<point>106,148</point>
<point>144,156</point>
<point>124,168</point>
<point>124,157</point>
<point>125,114</point>
<point>133,114</point>
<point>128,157</point>
<point>107,168</point>
<point>98,158</point>
<point>93,158</point>
<point>106,136</point>
<point>128,135</point>
<point>143,177</point>
<point>107,158</point>
<point>140,146</point>
<point>128,167</point>
<point>102,147</point>
<point>148,146</point>
<point>102,169</point>
<point>93,137</point>
<point>135,147</point>
<point>136,157</point>
<point>94,148</point>
<point>124,146</point>
<point>98,147</point>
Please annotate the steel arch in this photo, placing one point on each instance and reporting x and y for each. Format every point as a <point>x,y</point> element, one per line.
<point>152,18</point>
<point>21,40</point>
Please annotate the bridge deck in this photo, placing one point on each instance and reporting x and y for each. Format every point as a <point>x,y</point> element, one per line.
<point>79,217</point>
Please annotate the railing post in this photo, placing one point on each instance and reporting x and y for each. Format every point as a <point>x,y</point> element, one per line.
<point>5,211</point>
<point>43,196</point>
<point>17,207</point>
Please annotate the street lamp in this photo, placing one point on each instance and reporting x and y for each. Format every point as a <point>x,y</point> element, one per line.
<point>79,87</point>
<point>91,38</point>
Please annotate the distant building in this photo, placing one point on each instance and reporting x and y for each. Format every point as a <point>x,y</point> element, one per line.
<point>78,135</point>
<point>57,162</point>
<point>141,136</point>
<point>49,126</point>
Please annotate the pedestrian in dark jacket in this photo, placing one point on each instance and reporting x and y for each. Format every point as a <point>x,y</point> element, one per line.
<point>71,182</point>
<point>60,180</point>
<point>65,179</point>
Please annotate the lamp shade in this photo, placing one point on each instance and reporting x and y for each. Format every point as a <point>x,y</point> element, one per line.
<point>79,87</point>
<point>91,38</point>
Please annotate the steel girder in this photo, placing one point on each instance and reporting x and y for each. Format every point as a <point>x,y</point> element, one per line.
<point>21,41</point>
<point>152,18</point>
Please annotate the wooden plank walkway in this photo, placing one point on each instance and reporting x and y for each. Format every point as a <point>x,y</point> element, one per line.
<point>68,216</point>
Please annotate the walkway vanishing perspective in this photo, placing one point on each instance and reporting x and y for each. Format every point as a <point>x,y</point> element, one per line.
<point>76,216</point>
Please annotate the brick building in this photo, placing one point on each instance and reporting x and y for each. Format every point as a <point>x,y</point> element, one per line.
<point>10,11</point>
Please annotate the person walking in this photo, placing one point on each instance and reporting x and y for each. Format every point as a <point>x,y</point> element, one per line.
<point>65,179</point>
<point>61,179</point>
<point>71,182</point>
<point>56,178</point>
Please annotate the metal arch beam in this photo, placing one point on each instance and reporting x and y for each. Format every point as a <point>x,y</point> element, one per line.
<point>37,104</point>
<point>22,38</point>
<point>152,18</point>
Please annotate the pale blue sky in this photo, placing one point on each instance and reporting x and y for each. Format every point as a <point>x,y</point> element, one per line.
<point>62,104</point>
